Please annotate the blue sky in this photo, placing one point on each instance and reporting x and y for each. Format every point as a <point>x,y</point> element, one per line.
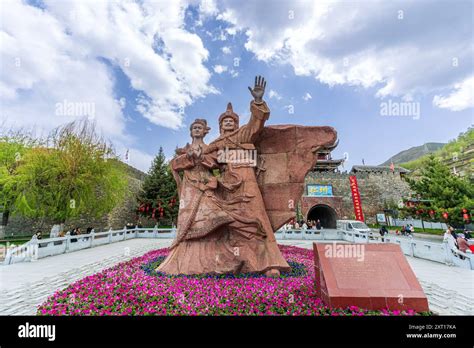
<point>150,68</point>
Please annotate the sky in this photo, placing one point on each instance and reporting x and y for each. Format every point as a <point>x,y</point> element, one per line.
<point>387,75</point>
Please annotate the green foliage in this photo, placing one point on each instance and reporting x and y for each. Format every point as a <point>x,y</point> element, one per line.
<point>13,148</point>
<point>159,191</point>
<point>457,146</point>
<point>73,174</point>
<point>441,191</point>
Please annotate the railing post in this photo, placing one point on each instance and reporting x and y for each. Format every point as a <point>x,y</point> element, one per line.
<point>136,231</point>
<point>32,248</point>
<point>68,241</point>
<point>124,232</point>
<point>8,256</point>
<point>92,238</point>
<point>155,232</point>
<point>110,235</point>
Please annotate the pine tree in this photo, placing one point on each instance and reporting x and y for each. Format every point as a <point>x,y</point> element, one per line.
<point>445,192</point>
<point>159,198</point>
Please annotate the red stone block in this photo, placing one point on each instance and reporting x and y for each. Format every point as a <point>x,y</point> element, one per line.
<point>371,276</point>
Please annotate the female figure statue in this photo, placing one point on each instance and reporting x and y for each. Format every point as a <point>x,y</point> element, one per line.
<point>199,247</point>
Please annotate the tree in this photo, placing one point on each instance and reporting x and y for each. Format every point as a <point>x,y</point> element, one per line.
<point>72,173</point>
<point>159,198</point>
<point>13,147</point>
<point>441,192</point>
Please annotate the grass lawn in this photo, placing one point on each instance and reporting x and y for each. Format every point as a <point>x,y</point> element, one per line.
<point>434,231</point>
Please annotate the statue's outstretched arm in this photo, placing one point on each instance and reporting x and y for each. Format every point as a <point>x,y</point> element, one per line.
<point>258,109</point>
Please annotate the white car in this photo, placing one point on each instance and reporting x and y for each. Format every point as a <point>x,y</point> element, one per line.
<point>353,226</point>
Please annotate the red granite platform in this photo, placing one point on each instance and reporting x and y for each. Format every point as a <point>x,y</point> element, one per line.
<point>378,276</point>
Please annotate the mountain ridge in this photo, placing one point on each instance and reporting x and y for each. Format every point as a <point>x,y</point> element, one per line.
<point>413,153</point>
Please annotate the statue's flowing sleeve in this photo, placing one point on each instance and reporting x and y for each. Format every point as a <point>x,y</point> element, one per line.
<point>209,161</point>
<point>181,162</point>
<point>291,151</point>
<point>259,114</point>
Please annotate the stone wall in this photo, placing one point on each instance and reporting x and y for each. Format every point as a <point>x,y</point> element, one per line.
<point>377,191</point>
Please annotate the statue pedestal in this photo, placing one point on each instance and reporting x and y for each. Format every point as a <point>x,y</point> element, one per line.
<point>371,276</point>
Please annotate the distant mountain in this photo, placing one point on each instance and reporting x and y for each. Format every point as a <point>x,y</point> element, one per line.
<point>413,153</point>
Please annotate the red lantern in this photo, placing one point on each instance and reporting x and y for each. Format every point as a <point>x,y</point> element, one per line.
<point>432,212</point>
<point>464,210</point>
<point>445,215</point>
<point>465,216</point>
<point>153,215</point>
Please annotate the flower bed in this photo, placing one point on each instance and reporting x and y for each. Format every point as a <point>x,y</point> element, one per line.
<point>135,288</point>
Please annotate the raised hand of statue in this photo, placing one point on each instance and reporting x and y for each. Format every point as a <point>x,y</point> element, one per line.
<point>259,89</point>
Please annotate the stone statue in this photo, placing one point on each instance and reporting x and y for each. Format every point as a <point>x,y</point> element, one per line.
<point>238,190</point>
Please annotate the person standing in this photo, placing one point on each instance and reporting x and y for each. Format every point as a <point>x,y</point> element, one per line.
<point>448,238</point>
<point>383,231</point>
<point>318,224</point>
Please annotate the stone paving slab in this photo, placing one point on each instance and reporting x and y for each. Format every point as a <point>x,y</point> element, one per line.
<point>24,286</point>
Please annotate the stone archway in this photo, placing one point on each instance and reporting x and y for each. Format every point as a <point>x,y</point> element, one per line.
<point>323,213</point>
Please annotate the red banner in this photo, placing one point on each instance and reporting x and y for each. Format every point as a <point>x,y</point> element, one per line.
<point>356,198</point>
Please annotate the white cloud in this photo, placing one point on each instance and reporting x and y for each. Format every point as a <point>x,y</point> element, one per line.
<point>226,50</point>
<point>64,52</point>
<point>307,96</point>
<point>274,94</point>
<point>219,69</point>
<point>461,98</point>
<point>367,43</point>
<point>122,102</point>
<point>208,8</point>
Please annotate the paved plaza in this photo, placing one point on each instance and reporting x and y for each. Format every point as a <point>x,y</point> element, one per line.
<point>24,286</point>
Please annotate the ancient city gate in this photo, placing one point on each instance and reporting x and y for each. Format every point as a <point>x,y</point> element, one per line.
<point>325,209</point>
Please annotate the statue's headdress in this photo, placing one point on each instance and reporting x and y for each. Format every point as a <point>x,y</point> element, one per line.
<point>203,122</point>
<point>229,113</point>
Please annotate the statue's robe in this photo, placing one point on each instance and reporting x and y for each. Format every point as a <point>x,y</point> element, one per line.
<point>201,213</point>
<point>286,154</point>
<point>251,234</point>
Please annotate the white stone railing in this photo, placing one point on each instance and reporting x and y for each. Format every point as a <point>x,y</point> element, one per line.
<point>39,248</point>
<point>309,234</point>
<point>437,252</point>
<point>432,251</point>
